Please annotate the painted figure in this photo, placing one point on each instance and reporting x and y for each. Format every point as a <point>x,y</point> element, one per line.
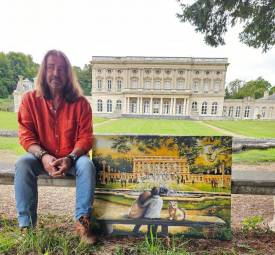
<point>175,213</point>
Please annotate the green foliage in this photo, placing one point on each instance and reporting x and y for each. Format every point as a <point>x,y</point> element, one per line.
<point>85,78</point>
<point>272,90</point>
<point>252,224</point>
<point>212,18</point>
<point>12,65</point>
<point>238,89</point>
<point>6,104</point>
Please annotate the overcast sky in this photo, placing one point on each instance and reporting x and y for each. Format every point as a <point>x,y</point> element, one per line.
<point>86,28</point>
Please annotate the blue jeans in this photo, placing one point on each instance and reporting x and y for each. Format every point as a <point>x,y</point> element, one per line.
<point>28,167</point>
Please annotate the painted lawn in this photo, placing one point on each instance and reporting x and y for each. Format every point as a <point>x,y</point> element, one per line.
<point>156,126</point>
<point>251,128</point>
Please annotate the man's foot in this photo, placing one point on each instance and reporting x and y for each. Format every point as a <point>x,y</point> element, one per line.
<point>83,229</point>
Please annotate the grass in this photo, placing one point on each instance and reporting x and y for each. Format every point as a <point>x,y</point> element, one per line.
<point>255,156</point>
<point>55,235</point>
<point>251,128</point>
<point>6,104</point>
<point>8,121</point>
<point>11,145</point>
<point>156,126</point>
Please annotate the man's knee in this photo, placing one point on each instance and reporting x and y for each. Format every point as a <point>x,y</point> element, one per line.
<point>85,165</point>
<point>26,165</point>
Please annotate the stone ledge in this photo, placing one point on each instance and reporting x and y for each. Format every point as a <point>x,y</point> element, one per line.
<point>239,186</point>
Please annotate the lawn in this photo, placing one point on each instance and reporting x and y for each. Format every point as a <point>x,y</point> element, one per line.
<point>11,144</point>
<point>8,120</point>
<point>251,128</point>
<point>254,156</point>
<point>156,126</point>
<point>6,104</point>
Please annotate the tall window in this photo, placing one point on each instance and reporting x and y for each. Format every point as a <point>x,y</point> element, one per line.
<point>246,111</point>
<point>133,106</point>
<point>156,105</point>
<point>157,84</point>
<point>194,106</point>
<point>238,111</point>
<point>179,106</point>
<point>109,85</point>
<point>166,107</point>
<point>206,86</point>
<point>146,106</point>
<point>204,108</point>
<point>134,83</point>
<point>119,85</point>
<point>147,84</point>
<point>214,109</point>
<point>99,85</point>
<point>99,105</point>
<point>167,84</point>
<point>195,85</point>
<point>263,112</point>
<point>109,105</point>
<point>230,112</point>
<point>118,105</point>
<point>217,86</point>
<point>224,111</point>
<point>180,84</point>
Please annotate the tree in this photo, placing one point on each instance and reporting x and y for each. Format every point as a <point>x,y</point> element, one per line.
<point>213,17</point>
<point>233,87</point>
<point>253,88</point>
<point>85,78</point>
<point>272,90</point>
<point>5,76</point>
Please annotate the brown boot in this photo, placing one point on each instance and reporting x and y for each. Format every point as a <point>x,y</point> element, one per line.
<point>83,229</point>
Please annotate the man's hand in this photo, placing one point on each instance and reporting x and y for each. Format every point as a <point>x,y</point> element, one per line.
<point>62,165</point>
<point>47,161</point>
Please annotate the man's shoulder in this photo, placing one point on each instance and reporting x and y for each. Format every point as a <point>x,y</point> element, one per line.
<point>31,96</point>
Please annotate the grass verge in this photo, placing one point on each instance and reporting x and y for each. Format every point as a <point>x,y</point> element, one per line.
<point>254,156</point>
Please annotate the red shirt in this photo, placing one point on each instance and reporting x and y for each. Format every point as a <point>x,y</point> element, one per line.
<point>57,132</point>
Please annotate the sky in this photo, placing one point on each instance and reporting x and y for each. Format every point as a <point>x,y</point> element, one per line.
<point>86,28</point>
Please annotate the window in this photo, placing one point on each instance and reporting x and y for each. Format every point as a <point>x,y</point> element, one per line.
<point>158,71</point>
<point>230,112</point>
<point>197,72</point>
<point>207,72</point>
<point>218,72</point>
<point>99,105</point>
<point>181,72</point>
<point>180,84</point>
<point>214,109</point>
<point>99,85</point>
<point>167,84</point>
<point>109,85</point>
<point>195,85</point>
<point>135,71</point>
<point>109,71</point>
<point>118,105</point>
<point>166,107</point>
<point>247,111</point>
<point>99,71</point>
<point>167,71</point>
<point>204,108</point>
<point>119,71</point>
<point>217,86</point>
<point>146,106</point>
<point>179,106</point>
<point>156,105</point>
<point>134,83</point>
<point>119,85</point>
<point>194,106</point>
<point>205,86</point>
<point>133,106</point>
<point>109,105</point>
<point>224,111</point>
<point>238,111</point>
<point>147,84</point>
<point>263,112</point>
<point>147,71</point>
<point>157,84</point>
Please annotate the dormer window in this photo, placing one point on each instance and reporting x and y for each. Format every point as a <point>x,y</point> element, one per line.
<point>197,72</point>
<point>181,72</point>
<point>119,71</point>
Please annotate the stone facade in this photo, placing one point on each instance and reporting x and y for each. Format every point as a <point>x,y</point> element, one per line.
<point>158,86</point>
<point>23,85</point>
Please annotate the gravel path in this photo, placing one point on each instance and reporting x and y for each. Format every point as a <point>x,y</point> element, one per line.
<point>61,200</point>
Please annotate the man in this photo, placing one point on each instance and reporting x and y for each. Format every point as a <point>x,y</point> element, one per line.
<point>55,128</point>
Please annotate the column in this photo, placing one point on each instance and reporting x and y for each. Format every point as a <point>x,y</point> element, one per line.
<point>175,105</point>
<point>151,106</point>
<point>139,105</point>
<point>125,104</point>
<point>161,105</point>
<point>187,107</point>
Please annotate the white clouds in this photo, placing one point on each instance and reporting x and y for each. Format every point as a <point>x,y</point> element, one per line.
<point>83,28</point>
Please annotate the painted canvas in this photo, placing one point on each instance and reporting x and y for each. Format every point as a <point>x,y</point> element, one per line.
<point>165,184</point>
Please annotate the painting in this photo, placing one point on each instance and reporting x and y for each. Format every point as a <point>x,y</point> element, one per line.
<point>164,184</point>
